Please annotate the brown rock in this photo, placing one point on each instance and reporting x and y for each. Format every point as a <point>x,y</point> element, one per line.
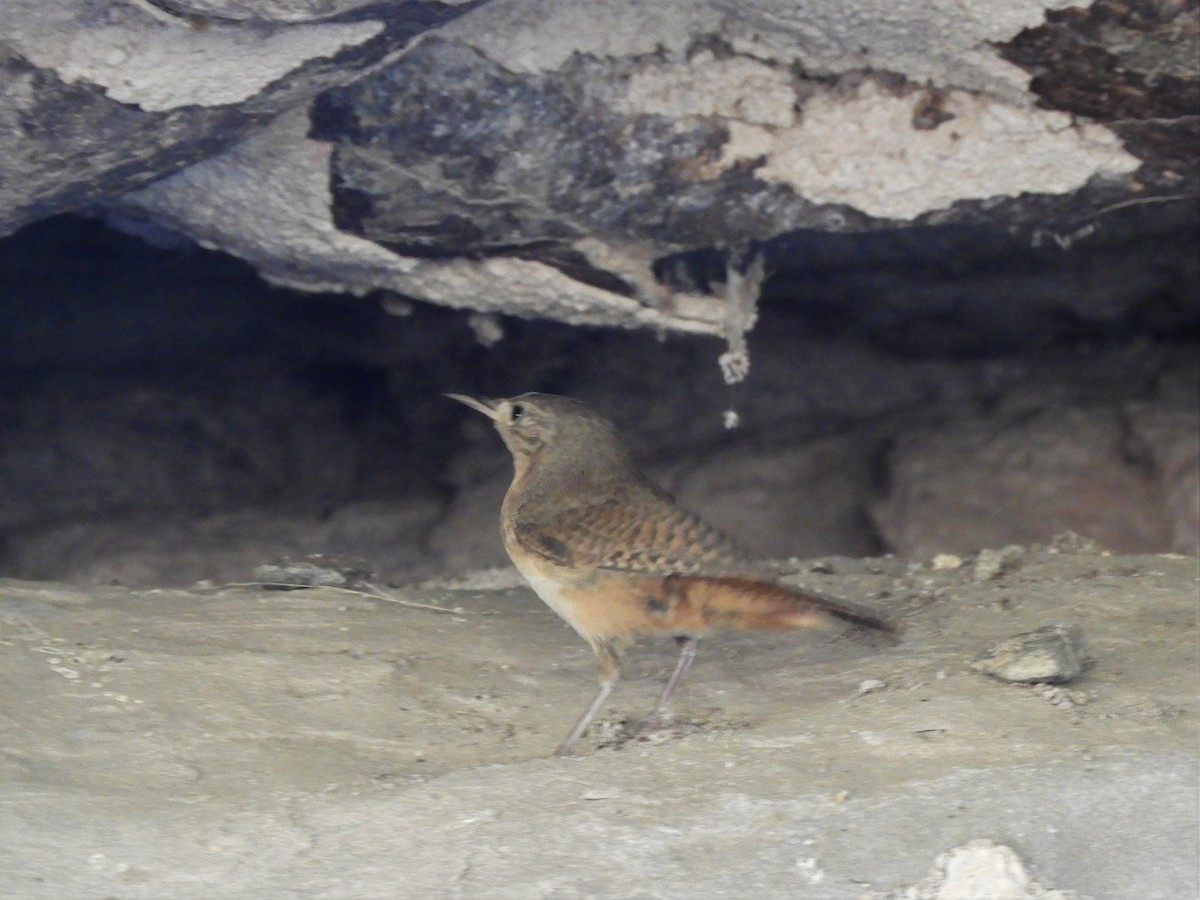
<point>1022,479</point>
<point>1172,438</point>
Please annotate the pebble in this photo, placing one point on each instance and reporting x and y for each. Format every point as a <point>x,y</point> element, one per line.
<point>313,570</point>
<point>979,869</point>
<point>946,561</point>
<point>1053,655</point>
<point>991,564</point>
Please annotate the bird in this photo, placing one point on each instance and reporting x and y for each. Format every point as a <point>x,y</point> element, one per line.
<point>614,556</point>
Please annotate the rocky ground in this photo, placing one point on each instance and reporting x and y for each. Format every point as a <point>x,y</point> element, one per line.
<point>239,742</point>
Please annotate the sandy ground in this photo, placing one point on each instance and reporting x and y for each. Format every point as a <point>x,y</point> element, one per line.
<point>237,742</point>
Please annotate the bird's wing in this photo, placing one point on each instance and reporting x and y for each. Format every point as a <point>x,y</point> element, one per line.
<point>642,531</point>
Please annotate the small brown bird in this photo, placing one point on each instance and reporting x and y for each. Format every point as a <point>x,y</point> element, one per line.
<point>611,553</point>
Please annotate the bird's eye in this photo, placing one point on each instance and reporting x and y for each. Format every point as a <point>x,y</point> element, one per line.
<point>516,412</point>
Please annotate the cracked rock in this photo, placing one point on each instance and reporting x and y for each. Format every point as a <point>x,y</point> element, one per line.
<point>1053,654</point>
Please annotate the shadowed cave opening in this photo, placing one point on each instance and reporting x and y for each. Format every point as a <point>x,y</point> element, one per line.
<point>168,417</point>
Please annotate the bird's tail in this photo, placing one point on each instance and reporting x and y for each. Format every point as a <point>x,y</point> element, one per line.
<point>741,602</point>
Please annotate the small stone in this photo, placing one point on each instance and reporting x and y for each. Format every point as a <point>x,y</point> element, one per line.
<point>1073,544</point>
<point>313,570</point>
<point>991,564</point>
<point>1053,655</point>
<point>946,561</point>
<point>983,868</point>
<point>1062,697</point>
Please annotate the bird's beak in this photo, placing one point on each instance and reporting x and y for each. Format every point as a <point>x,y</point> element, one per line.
<point>487,407</point>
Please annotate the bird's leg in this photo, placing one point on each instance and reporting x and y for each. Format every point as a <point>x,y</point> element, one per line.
<point>687,652</point>
<point>610,674</point>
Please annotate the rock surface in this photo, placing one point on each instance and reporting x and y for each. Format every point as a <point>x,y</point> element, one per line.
<point>318,743</point>
<point>605,165</point>
<point>1052,654</point>
<point>960,487</point>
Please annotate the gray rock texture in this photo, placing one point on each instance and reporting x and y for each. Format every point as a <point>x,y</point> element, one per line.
<point>239,742</point>
<point>1052,654</point>
<point>564,160</point>
<point>101,99</point>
